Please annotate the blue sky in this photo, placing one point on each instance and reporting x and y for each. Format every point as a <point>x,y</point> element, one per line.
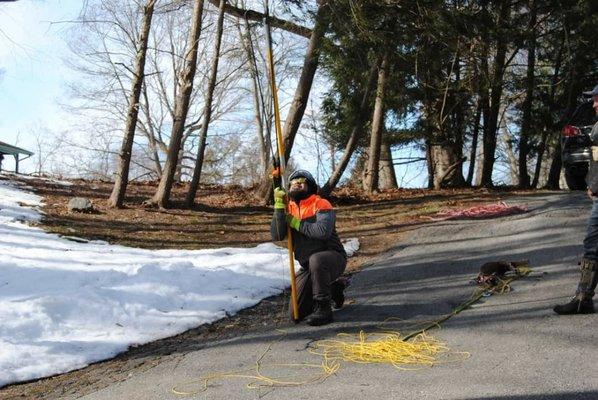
<point>31,52</point>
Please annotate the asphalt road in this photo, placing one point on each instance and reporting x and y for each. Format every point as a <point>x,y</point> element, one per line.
<point>519,349</point>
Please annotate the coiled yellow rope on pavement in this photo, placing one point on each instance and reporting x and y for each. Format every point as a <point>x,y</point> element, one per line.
<point>385,348</point>
<point>414,351</point>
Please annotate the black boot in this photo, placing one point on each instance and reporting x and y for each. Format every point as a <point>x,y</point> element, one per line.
<point>337,292</point>
<point>322,314</point>
<point>575,306</point>
<point>582,303</point>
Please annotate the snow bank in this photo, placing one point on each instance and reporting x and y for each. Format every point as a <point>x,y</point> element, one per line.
<point>351,246</point>
<point>65,304</point>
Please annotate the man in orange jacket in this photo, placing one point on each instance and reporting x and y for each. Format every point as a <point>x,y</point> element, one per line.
<point>316,244</point>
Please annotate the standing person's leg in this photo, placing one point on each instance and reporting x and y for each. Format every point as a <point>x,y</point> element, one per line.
<point>324,268</point>
<point>582,303</point>
<point>590,242</point>
<point>589,262</point>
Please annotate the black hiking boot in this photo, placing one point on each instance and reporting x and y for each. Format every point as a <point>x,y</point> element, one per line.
<point>575,306</point>
<point>322,314</point>
<point>582,302</point>
<point>337,292</point>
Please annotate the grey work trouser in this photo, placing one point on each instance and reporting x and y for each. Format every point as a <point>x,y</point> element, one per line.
<point>590,242</point>
<point>314,279</point>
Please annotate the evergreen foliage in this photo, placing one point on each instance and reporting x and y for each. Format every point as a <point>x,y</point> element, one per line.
<point>449,58</point>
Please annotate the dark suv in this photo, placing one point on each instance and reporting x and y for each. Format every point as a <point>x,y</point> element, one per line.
<point>576,146</point>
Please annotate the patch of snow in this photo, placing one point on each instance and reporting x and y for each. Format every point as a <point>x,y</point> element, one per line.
<point>65,304</point>
<point>41,178</point>
<point>351,246</point>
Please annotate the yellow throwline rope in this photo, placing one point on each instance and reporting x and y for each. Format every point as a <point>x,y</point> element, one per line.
<point>411,352</point>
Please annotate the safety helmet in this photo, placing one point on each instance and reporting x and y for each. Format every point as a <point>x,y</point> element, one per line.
<point>593,92</point>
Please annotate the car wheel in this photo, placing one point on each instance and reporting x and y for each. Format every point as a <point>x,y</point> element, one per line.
<point>576,177</point>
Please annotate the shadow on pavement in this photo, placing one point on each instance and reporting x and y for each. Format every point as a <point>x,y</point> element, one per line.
<point>590,395</point>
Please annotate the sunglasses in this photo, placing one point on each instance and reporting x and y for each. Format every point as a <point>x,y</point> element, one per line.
<point>298,181</point>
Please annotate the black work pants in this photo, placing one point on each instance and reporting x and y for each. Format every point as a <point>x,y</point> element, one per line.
<point>314,279</point>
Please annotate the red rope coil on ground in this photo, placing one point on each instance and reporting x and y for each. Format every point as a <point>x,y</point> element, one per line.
<point>484,211</point>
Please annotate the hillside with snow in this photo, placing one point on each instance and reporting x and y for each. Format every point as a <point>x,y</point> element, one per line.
<point>65,304</point>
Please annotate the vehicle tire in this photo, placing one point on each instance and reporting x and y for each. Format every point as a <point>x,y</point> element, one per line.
<point>575,176</point>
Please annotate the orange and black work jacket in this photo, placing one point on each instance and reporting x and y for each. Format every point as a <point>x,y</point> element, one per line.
<point>317,231</point>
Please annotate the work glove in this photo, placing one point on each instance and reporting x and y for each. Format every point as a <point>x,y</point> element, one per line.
<point>275,173</point>
<point>279,197</point>
<point>293,222</point>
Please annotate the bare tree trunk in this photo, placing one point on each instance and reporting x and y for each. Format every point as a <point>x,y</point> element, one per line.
<point>386,170</point>
<point>485,106</point>
<point>388,178</point>
<point>201,148</point>
<point>332,157</point>
<point>444,150</point>
<point>479,165</point>
<point>541,150</point>
<point>358,172</point>
<point>151,136</point>
<point>122,175</point>
<point>474,143</point>
<point>181,107</point>
<point>430,164</point>
<point>445,160</point>
<point>544,167</point>
<point>356,132</point>
<point>458,179</point>
<point>511,156</point>
<point>475,91</point>
<point>554,174</point>
<point>526,120</point>
<point>449,170</point>
<point>376,133</point>
<point>491,124</point>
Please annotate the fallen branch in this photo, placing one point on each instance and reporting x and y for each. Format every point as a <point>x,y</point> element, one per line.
<point>258,16</point>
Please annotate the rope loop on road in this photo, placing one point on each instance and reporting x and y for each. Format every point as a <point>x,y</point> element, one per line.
<point>411,352</point>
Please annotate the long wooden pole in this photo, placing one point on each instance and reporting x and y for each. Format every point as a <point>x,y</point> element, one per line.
<point>281,153</point>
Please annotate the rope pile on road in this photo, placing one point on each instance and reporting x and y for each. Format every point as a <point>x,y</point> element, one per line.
<point>500,209</point>
<point>413,351</point>
<point>382,348</point>
<point>385,348</point>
